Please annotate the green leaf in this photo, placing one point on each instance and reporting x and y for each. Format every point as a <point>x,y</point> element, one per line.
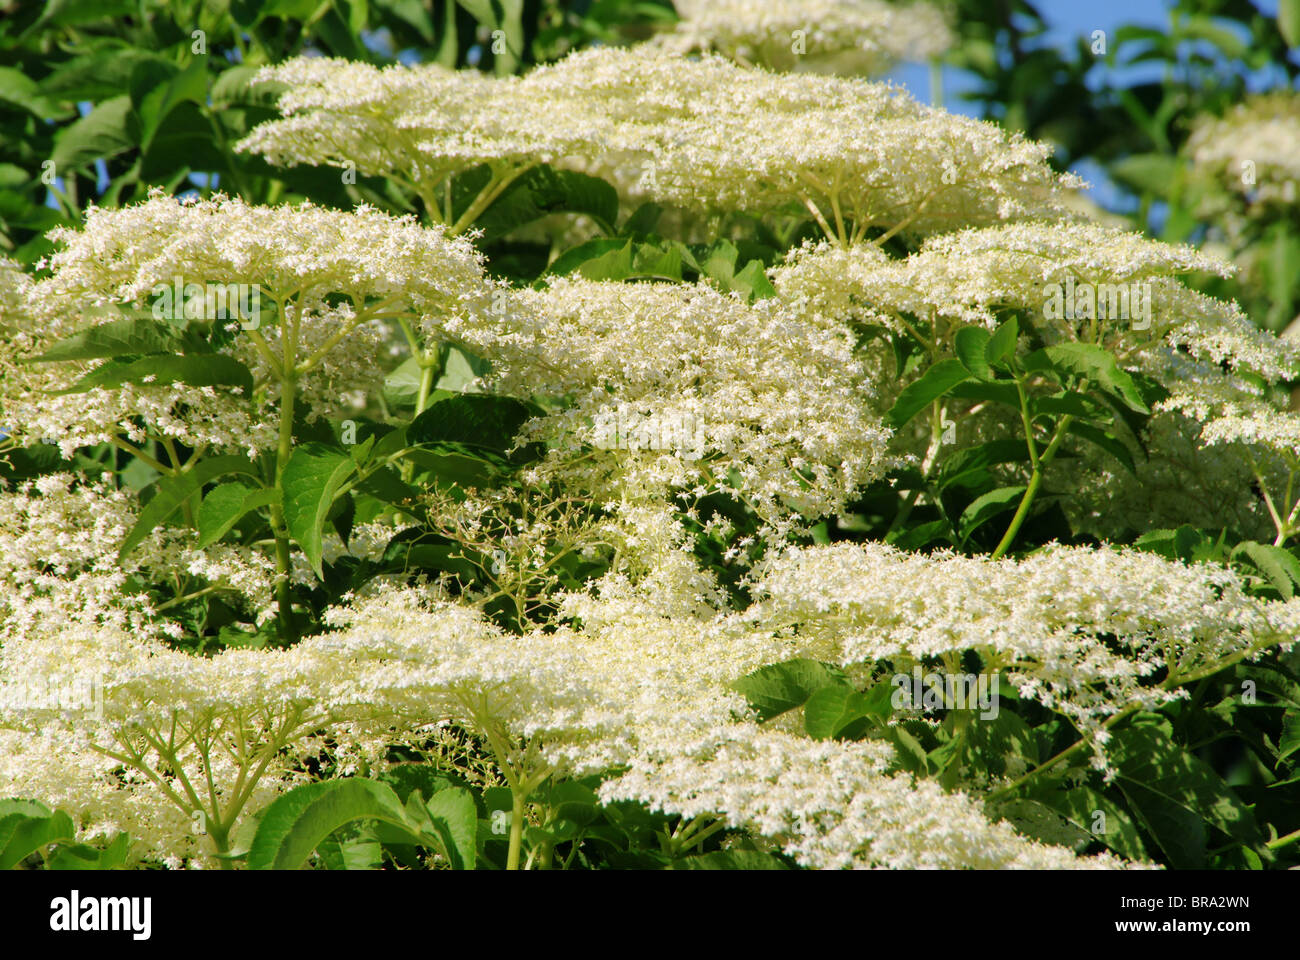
<point>473,420</point>
<point>174,491</point>
<point>1081,806</point>
<point>1040,822</point>
<point>1000,391</point>
<point>402,386</point>
<point>1278,566</point>
<point>31,833</point>
<point>460,369</point>
<point>985,508</point>
<point>753,282</point>
<point>15,812</point>
<point>1288,21</point>
<point>214,370</point>
<point>83,856</point>
<point>1184,543</point>
<point>774,689</point>
<point>543,191</point>
<point>1175,794</point>
<point>643,220</point>
<point>455,823</point>
<point>97,76</point>
<point>106,131</point>
<point>834,709</point>
<point>224,505</point>
<point>1002,743</point>
<point>296,823</point>
<point>1096,364</point>
<point>20,90</point>
<point>1002,344</point>
<point>1288,741</point>
<point>982,455</point>
<point>1106,441</point>
<point>971,346</point>
<point>406,778</point>
<point>933,384</point>
<point>158,87</point>
<point>125,336</point>
<point>310,480</point>
<point>603,258</point>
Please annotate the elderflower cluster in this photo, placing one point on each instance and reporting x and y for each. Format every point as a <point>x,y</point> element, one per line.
<point>1084,631</point>
<point>418,124</point>
<point>57,527</point>
<point>1253,151</point>
<point>648,693</point>
<point>714,136</point>
<point>329,286</point>
<point>707,134</point>
<point>969,277</point>
<point>744,395</point>
<point>841,36</point>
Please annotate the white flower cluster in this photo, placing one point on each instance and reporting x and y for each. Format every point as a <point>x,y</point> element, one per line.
<point>964,278</point>
<point>1252,151</point>
<point>1084,631</point>
<point>707,134</point>
<point>843,36</point>
<point>776,401</point>
<point>301,259</point>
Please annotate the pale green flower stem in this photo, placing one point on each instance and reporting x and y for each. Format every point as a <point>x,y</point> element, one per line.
<point>1172,682</point>
<point>523,769</point>
<point>1038,462</point>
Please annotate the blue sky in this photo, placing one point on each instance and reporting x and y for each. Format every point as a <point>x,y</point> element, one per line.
<point>1069,20</point>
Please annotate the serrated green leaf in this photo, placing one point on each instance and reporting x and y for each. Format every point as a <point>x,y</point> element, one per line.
<point>310,480</point>
<point>223,507</point>
<point>774,689</point>
<point>106,131</point>
<point>1279,566</point>
<point>455,823</point>
<point>1081,806</point>
<point>832,709</point>
<point>32,833</point>
<point>933,384</point>
<point>295,824</point>
<point>215,370</point>
<point>971,344</point>
<point>1288,741</point>
<point>121,337</point>
<point>1175,794</point>
<point>1002,344</point>
<point>1096,364</point>
<point>174,491</point>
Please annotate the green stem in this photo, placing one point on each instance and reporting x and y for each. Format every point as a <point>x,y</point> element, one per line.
<point>1035,481</point>
<point>1064,754</point>
<point>516,828</point>
<point>1281,842</point>
<point>283,562</point>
